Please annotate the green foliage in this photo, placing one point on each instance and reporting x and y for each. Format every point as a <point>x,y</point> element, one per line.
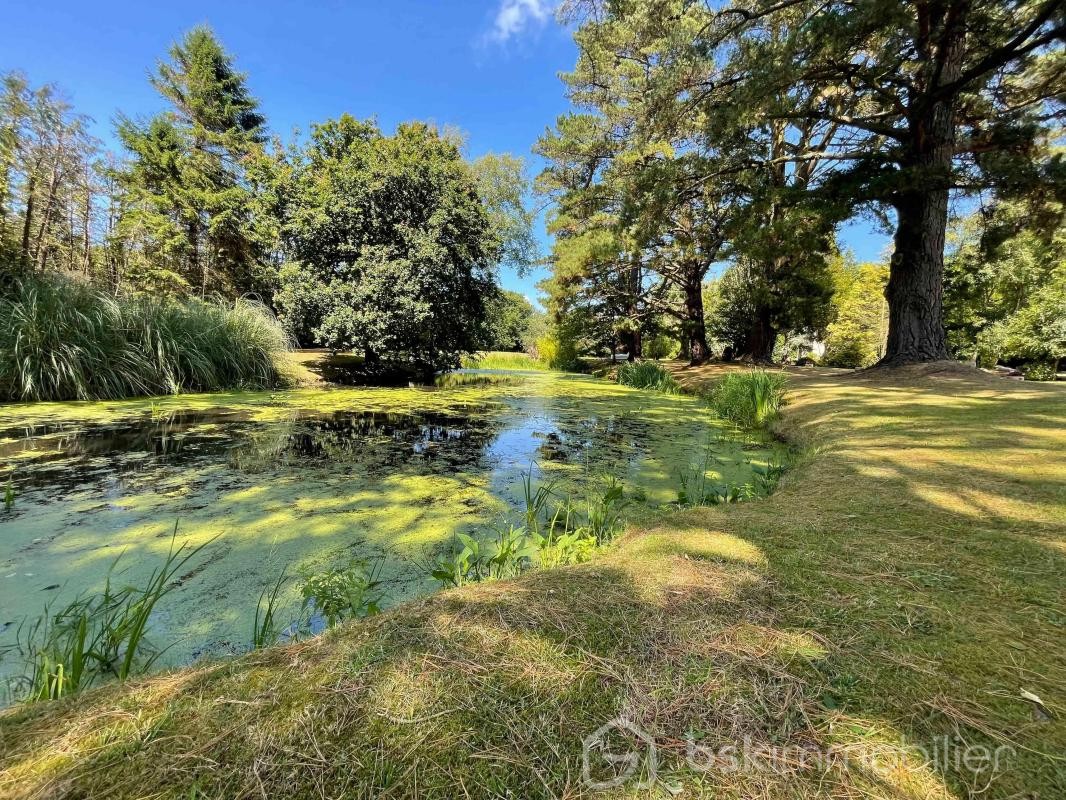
<point>1040,371</point>
<point>558,349</point>
<point>511,322</point>
<point>856,336</point>
<point>186,216</point>
<point>62,340</point>
<point>749,399</point>
<point>647,375</point>
<point>502,185</point>
<point>265,627</point>
<point>406,288</point>
<point>1005,285</point>
<point>661,346</point>
<point>555,532</point>
<point>99,637</point>
<point>348,592</point>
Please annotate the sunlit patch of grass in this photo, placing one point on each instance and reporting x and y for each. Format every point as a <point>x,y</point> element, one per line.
<point>503,360</point>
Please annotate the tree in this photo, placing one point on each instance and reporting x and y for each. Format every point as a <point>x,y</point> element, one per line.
<point>189,203</point>
<point>856,336</point>
<point>1005,289</point>
<point>691,188</point>
<point>47,179</point>
<point>511,322</point>
<point>390,249</point>
<point>921,99</point>
<point>502,186</point>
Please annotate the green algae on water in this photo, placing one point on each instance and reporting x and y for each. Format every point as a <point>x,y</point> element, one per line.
<point>303,479</point>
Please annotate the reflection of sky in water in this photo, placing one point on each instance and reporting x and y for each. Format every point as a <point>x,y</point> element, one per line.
<point>312,487</point>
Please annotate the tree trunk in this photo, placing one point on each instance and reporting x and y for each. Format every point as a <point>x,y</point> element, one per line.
<point>761,337</point>
<point>27,223</point>
<point>40,250</point>
<point>695,325</point>
<point>915,290</point>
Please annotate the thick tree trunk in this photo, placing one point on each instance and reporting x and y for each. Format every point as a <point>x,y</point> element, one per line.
<point>695,325</point>
<point>760,339</point>
<point>915,291</point>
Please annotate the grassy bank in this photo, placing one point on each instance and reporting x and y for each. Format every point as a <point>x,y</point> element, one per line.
<point>903,585</point>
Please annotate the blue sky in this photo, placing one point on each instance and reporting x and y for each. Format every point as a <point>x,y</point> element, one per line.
<point>489,67</point>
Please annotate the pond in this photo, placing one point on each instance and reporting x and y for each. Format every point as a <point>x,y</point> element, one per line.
<point>305,479</point>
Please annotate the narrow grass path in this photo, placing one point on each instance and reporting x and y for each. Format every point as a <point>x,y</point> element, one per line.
<point>904,586</point>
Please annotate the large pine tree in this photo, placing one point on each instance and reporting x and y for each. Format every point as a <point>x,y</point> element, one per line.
<point>189,201</point>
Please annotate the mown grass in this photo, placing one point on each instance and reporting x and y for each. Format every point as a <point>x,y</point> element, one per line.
<point>903,585</point>
<point>503,360</point>
<point>62,339</point>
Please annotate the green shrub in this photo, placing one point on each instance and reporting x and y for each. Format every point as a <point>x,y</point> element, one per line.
<point>558,350</point>
<point>1040,371</point>
<point>61,339</point>
<point>647,375</point>
<point>749,399</point>
<point>662,346</point>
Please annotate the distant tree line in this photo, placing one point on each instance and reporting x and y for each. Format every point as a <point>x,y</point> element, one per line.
<point>385,244</point>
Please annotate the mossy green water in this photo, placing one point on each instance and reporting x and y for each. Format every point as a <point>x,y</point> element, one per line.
<point>302,479</point>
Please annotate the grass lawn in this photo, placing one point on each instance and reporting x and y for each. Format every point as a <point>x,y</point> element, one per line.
<point>904,586</point>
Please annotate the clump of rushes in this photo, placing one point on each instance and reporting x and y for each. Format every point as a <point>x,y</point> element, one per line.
<point>647,375</point>
<point>749,399</point>
<point>556,532</point>
<point>99,637</point>
<point>62,339</point>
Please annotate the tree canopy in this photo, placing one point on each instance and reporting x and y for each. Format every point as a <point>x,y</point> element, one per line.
<point>390,249</point>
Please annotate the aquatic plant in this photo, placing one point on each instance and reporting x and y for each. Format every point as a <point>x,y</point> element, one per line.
<point>698,489</point>
<point>348,592</point>
<point>62,339</point>
<point>749,399</point>
<point>99,637</point>
<point>647,375</point>
<point>265,629</point>
<point>556,532</point>
<point>604,513</point>
<point>9,495</point>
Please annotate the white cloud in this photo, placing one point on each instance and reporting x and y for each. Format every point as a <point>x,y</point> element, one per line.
<point>515,17</point>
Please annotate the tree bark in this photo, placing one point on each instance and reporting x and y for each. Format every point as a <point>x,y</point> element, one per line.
<point>27,223</point>
<point>761,338</point>
<point>695,325</point>
<point>915,290</point>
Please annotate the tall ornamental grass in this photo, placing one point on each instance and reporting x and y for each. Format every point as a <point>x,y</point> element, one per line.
<point>749,399</point>
<point>61,339</point>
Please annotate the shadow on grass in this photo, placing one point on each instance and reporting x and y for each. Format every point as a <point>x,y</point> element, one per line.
<point>904,585</point>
